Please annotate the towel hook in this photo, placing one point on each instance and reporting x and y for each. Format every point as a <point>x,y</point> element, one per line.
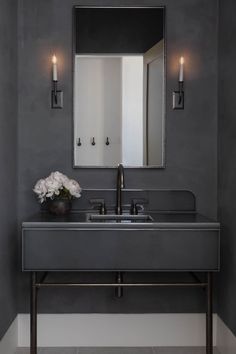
<point>79,142</point>
<point>107,141</point>
<point>93,141</point>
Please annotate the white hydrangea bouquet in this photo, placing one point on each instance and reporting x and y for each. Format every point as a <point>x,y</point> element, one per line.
<point>58,190</point>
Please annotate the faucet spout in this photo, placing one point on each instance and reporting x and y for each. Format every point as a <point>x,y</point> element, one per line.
<point>119,186</point>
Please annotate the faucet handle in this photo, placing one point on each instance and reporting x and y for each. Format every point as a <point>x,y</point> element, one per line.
<point>137,205</point>
<point>99,204</point>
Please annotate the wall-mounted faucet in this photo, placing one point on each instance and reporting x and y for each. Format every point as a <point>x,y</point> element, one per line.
<point>119,186</point>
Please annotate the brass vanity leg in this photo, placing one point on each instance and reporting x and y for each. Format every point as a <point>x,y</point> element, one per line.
<point>209,314</point>
<point>33,315</point>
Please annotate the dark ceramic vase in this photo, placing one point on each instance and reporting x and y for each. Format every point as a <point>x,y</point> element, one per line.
<point>59,206</point>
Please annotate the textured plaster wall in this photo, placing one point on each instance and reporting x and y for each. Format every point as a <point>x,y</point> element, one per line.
<point>8,162</point>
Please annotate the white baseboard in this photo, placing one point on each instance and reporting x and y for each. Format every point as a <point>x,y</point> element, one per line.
<point>226,340</point>
<point>9,342</point>
<point>114,330</point>
<point>118,330</point>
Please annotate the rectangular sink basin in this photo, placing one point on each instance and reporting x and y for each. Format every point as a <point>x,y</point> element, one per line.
<point>121,218</point>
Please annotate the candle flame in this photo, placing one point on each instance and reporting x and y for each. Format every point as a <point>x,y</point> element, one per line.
<point>181,61</point>
<point>54,59</point>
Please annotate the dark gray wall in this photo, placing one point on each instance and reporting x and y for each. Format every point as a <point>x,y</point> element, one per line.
<point>227,161</point>
<point>8,175</point>
<point>45,135</point>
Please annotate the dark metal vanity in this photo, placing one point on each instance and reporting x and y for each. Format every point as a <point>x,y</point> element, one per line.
<point>166,236</point>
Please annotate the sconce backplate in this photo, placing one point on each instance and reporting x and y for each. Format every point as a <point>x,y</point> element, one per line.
<point>57,100</point>
<point>178,100</point>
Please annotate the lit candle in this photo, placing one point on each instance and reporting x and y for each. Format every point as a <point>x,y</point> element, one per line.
<point>54,68</point>
<point>181,69</point>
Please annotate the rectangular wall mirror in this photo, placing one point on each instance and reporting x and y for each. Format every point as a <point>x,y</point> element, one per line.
<point>119,86</point>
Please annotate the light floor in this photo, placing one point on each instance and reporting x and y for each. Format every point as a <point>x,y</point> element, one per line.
<point>149,350</point>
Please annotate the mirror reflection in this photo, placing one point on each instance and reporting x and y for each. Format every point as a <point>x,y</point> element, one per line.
<point>119,87</point>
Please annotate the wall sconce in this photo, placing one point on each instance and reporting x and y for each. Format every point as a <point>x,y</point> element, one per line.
<point>56,95</point>
<point>178,96</point>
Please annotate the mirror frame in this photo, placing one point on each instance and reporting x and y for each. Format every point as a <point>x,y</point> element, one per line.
<point>163,166</point>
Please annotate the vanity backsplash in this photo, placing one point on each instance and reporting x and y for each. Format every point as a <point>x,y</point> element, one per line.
<point>153,199</point>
